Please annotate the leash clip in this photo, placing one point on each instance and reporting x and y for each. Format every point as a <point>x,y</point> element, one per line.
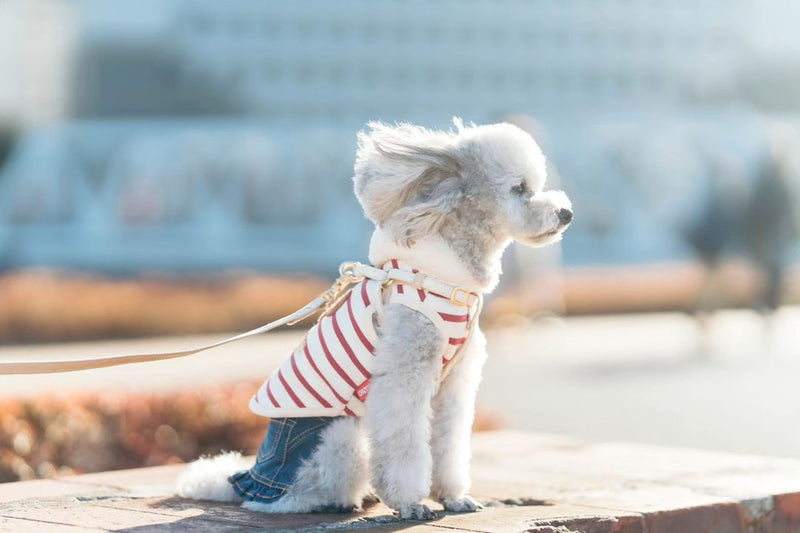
<point>349,272</point>
<point>348,275</point>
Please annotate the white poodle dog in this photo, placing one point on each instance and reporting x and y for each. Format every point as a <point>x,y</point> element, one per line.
<point>445,205</point>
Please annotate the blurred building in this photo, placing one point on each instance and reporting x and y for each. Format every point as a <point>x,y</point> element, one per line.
<point>419,60</point>
<point>207,135</point>
<point>37,40</point>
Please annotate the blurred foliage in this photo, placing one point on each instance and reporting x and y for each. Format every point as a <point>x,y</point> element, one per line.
<point>53,435</point>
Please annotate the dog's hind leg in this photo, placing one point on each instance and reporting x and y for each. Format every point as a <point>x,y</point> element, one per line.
<point>334,478</point>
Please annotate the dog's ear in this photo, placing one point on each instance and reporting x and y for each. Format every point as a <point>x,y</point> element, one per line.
<point>407,178</point>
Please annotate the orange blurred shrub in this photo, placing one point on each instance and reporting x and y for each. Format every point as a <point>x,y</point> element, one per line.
<point>52,435</point>
<point>64,434</point>
<point>44,306</point>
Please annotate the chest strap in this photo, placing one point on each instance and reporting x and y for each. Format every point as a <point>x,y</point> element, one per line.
<point>457,295</point>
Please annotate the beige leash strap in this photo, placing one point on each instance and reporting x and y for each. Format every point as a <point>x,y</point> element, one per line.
<point>349,273</point>
<point>347,277</point>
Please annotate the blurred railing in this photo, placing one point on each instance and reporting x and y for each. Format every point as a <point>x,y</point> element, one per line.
<point>126,196</point>
<point>122,196</point>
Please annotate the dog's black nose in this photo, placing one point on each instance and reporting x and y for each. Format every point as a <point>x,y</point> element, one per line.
<point>564,216</point>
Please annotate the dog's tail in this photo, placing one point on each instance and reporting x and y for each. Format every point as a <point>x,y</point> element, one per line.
<point>207,478</point>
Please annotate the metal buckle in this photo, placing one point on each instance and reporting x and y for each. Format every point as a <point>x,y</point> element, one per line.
<point>455,299</point>
<point>347,277</point>
<point>348,272</point>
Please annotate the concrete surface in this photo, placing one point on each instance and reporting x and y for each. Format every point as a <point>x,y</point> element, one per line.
<point>529,482</point>
<point>641,378</point>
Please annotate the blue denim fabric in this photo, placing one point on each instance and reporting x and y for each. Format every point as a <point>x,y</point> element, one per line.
<point>288,442</point>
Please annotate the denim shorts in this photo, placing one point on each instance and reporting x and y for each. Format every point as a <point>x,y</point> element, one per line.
<point>288,442</point>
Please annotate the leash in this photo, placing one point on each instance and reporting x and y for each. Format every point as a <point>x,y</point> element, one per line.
<point>349,274</point>
<point>347,277</point>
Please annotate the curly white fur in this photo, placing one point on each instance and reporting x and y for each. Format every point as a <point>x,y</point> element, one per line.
<point>207,478</point>
<point>447,202</point>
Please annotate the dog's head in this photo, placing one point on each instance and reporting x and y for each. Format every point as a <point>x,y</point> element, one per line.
<point>413,182</point>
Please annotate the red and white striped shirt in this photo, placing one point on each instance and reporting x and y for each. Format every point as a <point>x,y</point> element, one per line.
<point>329,373</point>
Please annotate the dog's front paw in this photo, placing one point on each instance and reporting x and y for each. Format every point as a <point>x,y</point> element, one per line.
<point>461,505</point>
<point>416,511</point>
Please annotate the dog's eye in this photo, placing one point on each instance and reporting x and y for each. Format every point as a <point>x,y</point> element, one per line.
<point>520,189</point>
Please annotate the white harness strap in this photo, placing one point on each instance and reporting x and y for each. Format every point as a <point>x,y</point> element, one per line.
<point>460,352</point>
<point>457,295</point>
<point>350,273</point>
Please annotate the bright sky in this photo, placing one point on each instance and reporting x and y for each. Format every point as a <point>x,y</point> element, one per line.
<point>775,27</point>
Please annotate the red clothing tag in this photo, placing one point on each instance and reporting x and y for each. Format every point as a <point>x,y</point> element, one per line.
<point>361,392</point>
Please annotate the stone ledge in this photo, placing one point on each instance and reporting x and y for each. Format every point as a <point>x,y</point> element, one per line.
<point>530,482</point>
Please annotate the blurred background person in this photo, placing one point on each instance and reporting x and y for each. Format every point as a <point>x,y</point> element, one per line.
<point>770,220</point>
<point>713,232</point>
